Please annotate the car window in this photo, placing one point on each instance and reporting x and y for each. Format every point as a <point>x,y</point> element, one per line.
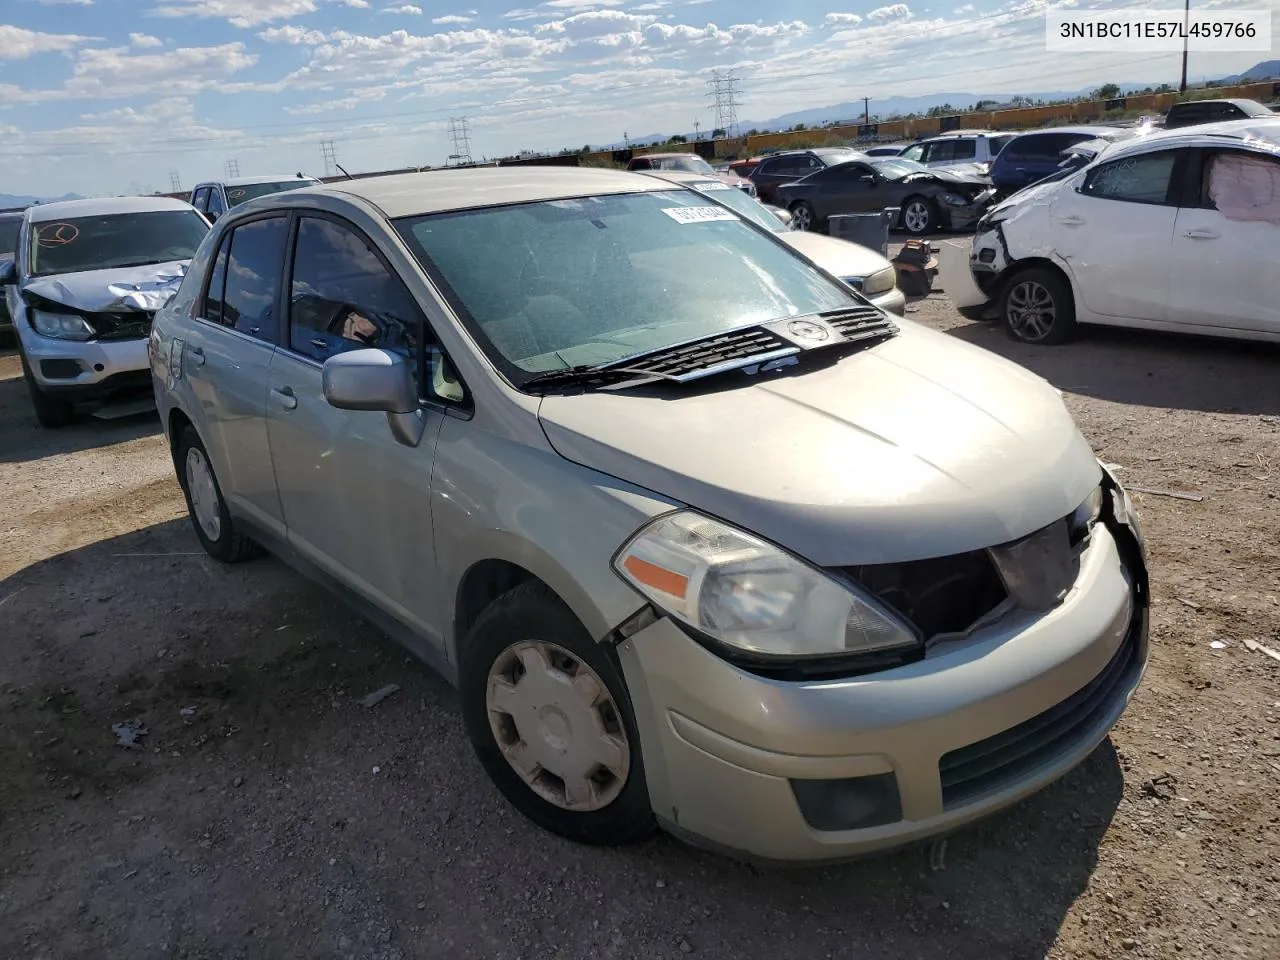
<point>201,200</point>
<point>1141,179</point>
<point>914,153</point>
<point>1042,146</point>
<point>114,240</point>
<point>9,230</point>
<point>963,149</point>
<point>216,207</point>
<point>1241,185</point>
<point>249,269</point>
<point>845,173</point>
<point>810,164</point>
<point>997,144</point>
<point>343,297</point>
<point>938,152</point>
<point>212,309</point>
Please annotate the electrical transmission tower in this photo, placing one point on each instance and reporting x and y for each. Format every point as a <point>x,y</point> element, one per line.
<point>460,137</point>
<point>175,182</point>
<point>724,90</point>
<point>330,157</point>
<point>233,169</point>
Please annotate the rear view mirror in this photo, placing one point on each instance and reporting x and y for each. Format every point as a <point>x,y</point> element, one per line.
<point>377,380</point>
<point>8,272</point>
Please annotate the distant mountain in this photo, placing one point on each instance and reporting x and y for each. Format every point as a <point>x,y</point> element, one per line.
<point>14,200</point>
<point>1261,71</point>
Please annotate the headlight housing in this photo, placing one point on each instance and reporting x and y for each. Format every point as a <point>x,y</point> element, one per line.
<point>63,326</point>
<point>752,597</point>
<point>882,281</point>
<point>955,200</point>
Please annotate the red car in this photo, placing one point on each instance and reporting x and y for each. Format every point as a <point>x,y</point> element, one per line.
<point>689,163</point>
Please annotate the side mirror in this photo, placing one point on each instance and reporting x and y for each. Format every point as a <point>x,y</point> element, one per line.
<point>8,272</point>
<point>377,380</point>
<point>868,178</point>
<point>783,215</point>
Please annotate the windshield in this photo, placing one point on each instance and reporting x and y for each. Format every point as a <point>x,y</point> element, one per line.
<point>564,283</point>
<point>9,235</point>
<point>116,240</point>
<point>251,191</point>
<point>687,164</point>
<point>896,168</point>
<point>741,204</point>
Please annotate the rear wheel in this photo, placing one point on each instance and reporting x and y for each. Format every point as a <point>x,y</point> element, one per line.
<point>209,515</point>
<point>803,217</point>
<point>548,715</point>
<point>918,216</point>
<point>51,411</point>
<point>1038,307</point>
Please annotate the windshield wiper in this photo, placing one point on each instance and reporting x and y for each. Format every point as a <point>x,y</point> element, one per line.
<point>585,375</point>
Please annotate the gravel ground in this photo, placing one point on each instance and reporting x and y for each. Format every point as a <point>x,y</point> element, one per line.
<point>267,813</point>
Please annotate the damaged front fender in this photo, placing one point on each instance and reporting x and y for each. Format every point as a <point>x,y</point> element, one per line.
<point>143,289</point>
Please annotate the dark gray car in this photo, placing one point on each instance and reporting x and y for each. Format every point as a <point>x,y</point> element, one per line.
<point>928,198</point>
<point>10,224</point>
<point>794,165</point>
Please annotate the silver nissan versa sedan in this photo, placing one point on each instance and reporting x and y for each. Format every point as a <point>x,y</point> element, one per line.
<point>705,539</point>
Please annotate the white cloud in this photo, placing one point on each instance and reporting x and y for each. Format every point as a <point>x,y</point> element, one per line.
<point>897,11</point>
<point>452,19</point>
<point>17,43</point>
<point>408,9</point>
<point>358,4</point>
<point>581,4</point>
<point>842,19</point>
<point>145,40</point>
<point>292,35</point>
<point>967,8</point>
<point>66,3</point>
<point>114,72</point>
<point>239,13</point>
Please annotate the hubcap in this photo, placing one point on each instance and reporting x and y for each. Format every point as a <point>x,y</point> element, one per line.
<point>801,218</point>
<point>1031,311</point>
<point>556,724</point>
<point>916,216</point>
<point>204,494</point>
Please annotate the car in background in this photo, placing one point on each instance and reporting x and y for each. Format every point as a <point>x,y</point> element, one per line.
<point>791,165</point>
<point>861,268</point>
<point>10,227</point>
<point>1194,112</point>
<point>82,289</point>
<point>1178,231</point>
<point>962,147</point>
<point>886,149</point>
<point>1030,157</point>
<point>703,539</point>
<point>689,163</point>
<point>213,198</point>
<point>927,198</point>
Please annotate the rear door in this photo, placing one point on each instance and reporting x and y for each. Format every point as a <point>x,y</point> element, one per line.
<point>226,358</point>
<point>1114,230</point>
<point>1226,243</point>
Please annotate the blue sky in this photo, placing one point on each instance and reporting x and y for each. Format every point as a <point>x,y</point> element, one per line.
<point>103,96</point>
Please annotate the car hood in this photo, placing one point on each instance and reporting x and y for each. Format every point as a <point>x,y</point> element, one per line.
<point>118,289</point>
<point>949,177</point>
<point>840,258</point>
<point>1035,194</point>
<point>921,446</point>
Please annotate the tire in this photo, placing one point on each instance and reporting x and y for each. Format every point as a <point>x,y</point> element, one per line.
<point>222,540</point>
<point>918,216</point>
<point>51,412</point>
<point>1037,306</point>
<point>530,624</point>
<point>803,218</point>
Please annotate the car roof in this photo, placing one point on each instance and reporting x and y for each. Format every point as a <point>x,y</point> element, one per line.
<point>251,181</point>
<point>673,153</point>
<point>437,191</point>
<point>1234,101</point>
<point>65,209</point>
<point>1255,132</point>
<point>13,214</point>
<point>1095,132</point>
<point>971,133</point>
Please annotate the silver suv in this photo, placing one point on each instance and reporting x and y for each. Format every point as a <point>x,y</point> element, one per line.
<point>705,539</point>
<point>961,148</point>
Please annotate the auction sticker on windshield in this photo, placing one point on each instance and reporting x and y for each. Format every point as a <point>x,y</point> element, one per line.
<point>699,214</point>
<point>711,185</point>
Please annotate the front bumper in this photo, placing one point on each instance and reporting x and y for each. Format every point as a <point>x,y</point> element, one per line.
<point>972,728</point>
<point>988,260</point>
<point>85,369</point>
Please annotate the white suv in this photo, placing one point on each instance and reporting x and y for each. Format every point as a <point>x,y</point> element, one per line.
<point>956,149</point>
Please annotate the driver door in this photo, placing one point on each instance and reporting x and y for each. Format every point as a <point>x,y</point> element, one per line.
<point>356,502</point>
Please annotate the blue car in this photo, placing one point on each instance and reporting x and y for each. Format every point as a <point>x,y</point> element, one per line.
<point>1030,157</point>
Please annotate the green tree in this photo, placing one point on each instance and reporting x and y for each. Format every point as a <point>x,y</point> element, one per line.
<point>1108,91</point>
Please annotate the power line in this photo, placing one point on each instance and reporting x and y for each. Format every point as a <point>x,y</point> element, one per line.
<point>233,169</point>
<point>724,90</point>
<point>330,157</point>
<point>460,138</point>
<point>175,182</point>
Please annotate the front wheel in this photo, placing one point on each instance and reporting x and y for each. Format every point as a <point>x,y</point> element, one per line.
<point>1038,307</point>
<point>917,216</point>
<point>803,217</point>
<point>548,715</point>
<point>209,515</point>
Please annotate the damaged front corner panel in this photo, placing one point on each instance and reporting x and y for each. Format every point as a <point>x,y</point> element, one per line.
<point>127,290</point>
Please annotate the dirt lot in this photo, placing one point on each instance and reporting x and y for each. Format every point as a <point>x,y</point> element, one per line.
<point>269,814</point>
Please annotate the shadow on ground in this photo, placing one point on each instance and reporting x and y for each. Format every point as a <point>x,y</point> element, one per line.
<point>1149,369</point>
<point>269,814</point>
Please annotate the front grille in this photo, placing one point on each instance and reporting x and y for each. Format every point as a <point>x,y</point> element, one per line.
<point>698,357</point>
<point>941,595</point>
<point>998,761</point>
<point>859,323</point>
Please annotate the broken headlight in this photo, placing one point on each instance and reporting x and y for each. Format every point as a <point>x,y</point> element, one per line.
<point>746,594</point>
<point>63,326</point>
<point>955,200</point>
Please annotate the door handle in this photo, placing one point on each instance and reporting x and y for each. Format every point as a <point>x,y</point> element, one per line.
<point>1071,221</point>
<point>197,356</point>
<point>1200,233</point>
<point>285,397</point>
